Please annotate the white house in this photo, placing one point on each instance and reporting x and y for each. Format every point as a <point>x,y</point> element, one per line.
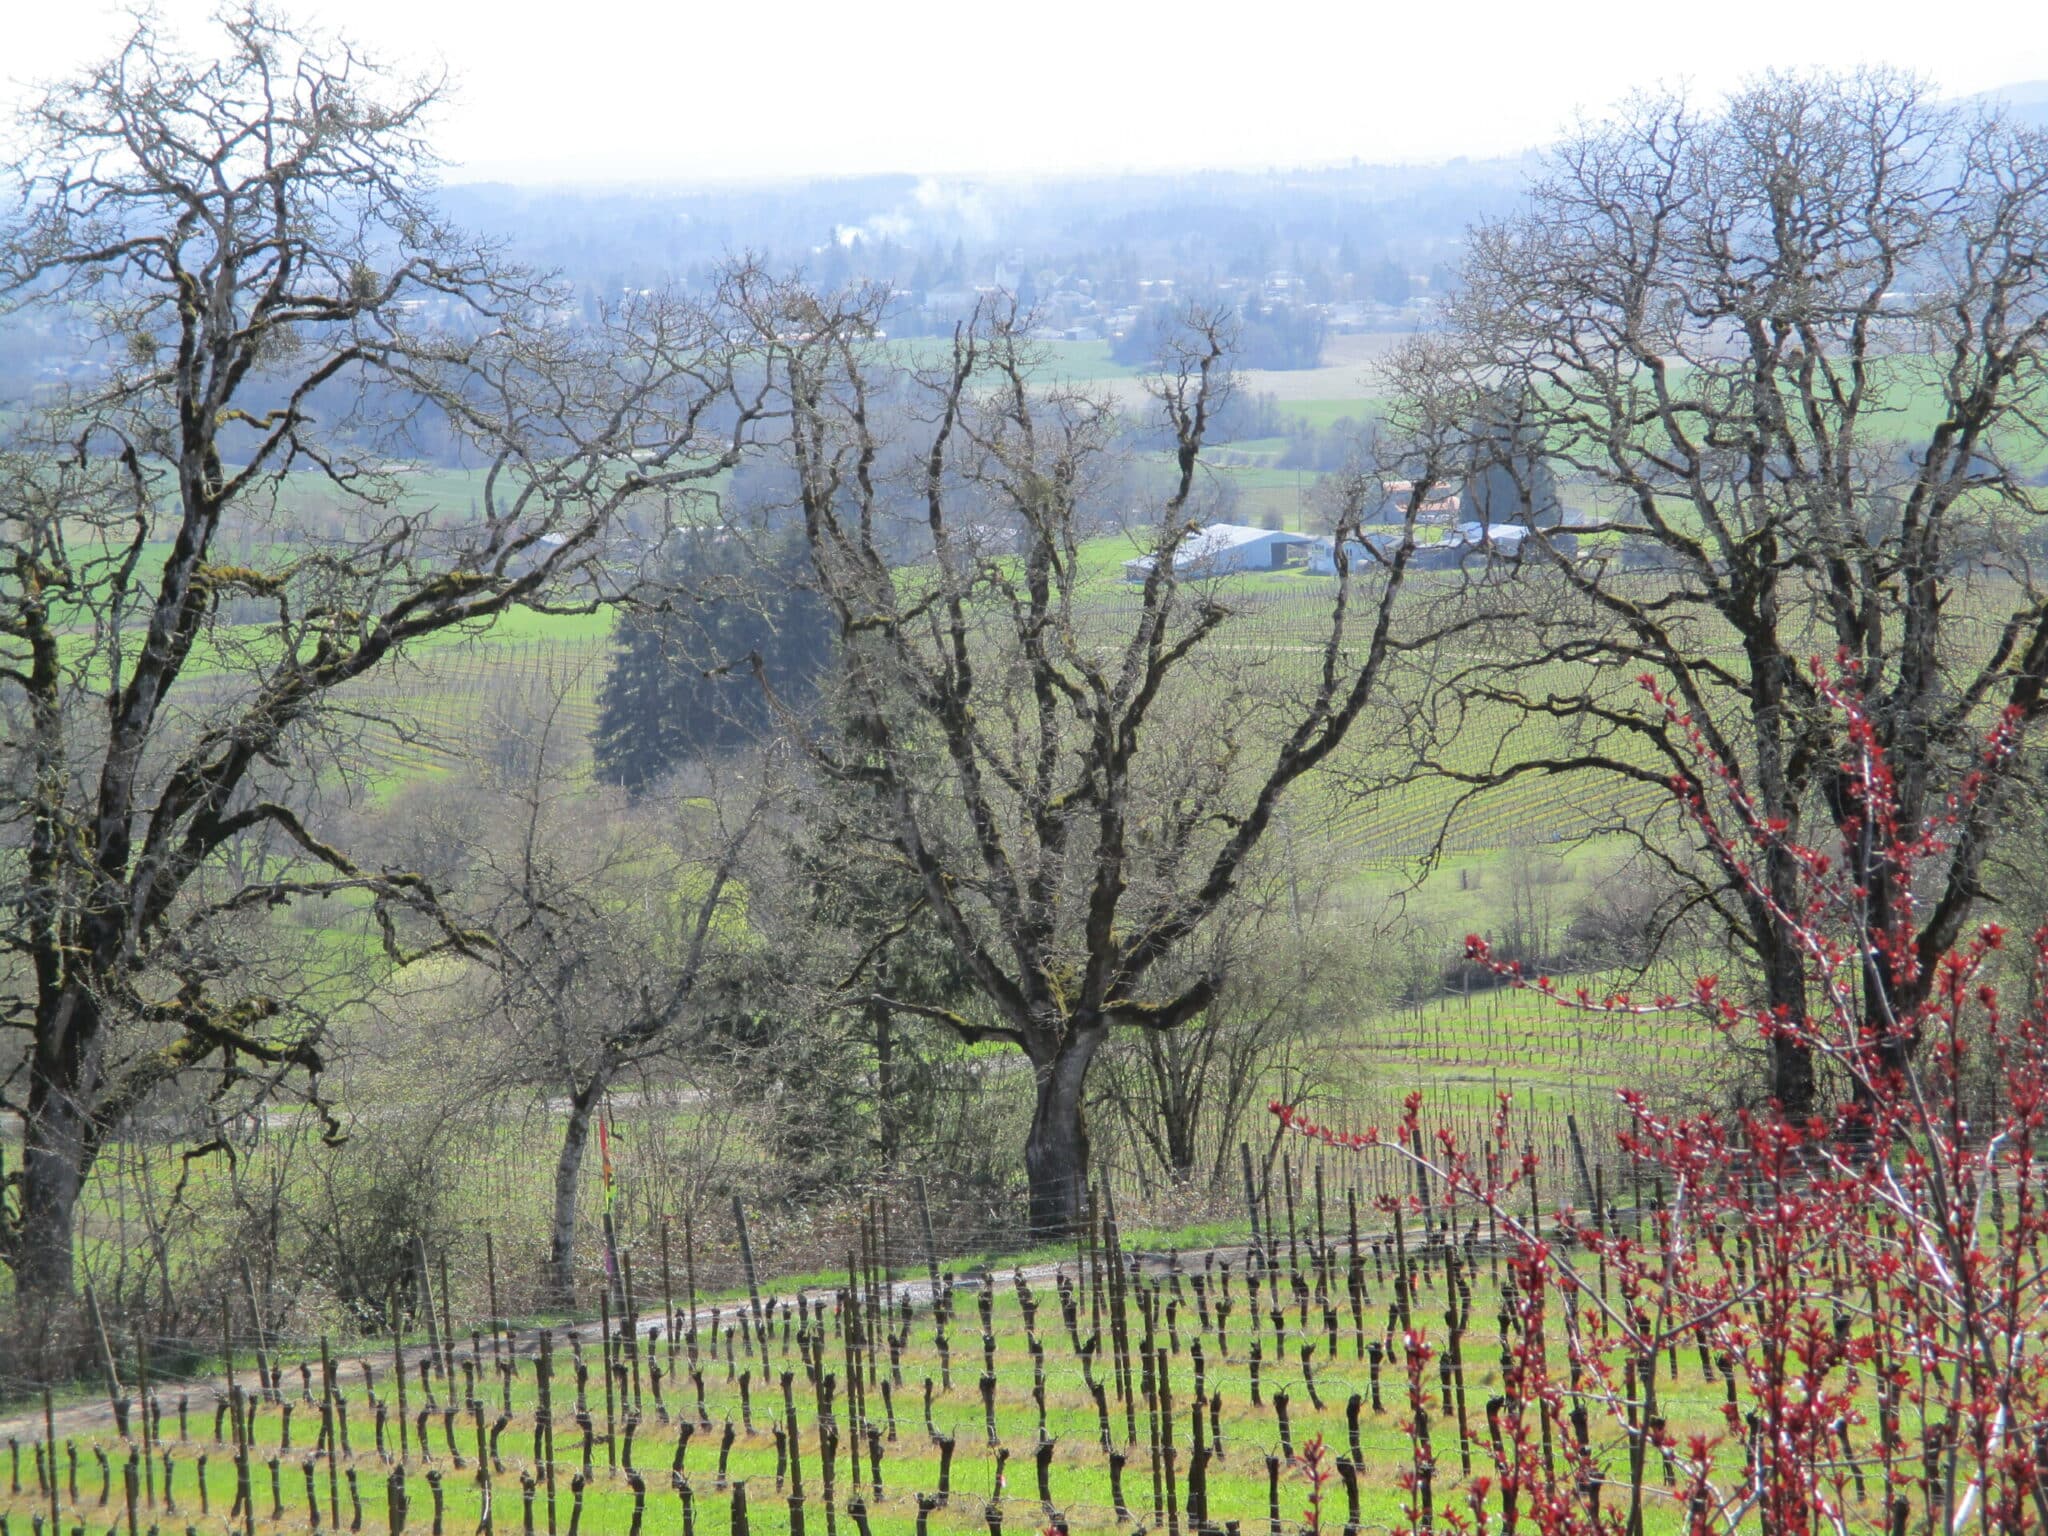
<point>1224,549</point>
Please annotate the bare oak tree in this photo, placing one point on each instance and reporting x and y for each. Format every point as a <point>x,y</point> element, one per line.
<point>615,927</point>
<point>1076,770</point>
<point>1792,352</point>
<point>279,320</point>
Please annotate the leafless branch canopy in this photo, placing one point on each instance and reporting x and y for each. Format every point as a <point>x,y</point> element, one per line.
<point>1790,352</point>
<point>215,533</point>
<point>1076,769</point>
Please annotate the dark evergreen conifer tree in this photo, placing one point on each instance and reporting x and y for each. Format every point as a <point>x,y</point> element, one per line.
<point>682,679</point>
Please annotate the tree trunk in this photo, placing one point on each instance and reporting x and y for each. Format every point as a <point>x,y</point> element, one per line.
<point>1792,1082</point>
<point>568,1175</point>
<point>1056,1152</point>
<point>58,1144</point>
<point>52,1171</point>
<point>1792,1076</point>
<point>1790,1048</point>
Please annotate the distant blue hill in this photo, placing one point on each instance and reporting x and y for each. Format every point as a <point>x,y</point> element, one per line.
<point>2025,102</point>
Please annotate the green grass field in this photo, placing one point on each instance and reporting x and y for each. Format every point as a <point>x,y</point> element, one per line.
<point>1321,415</point>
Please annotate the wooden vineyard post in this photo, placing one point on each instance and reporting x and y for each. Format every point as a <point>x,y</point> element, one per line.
<point>1355,1280</point>
<point>497,1318</point>
<point>668,1299</point>
<point>1457,1315</point>
<point>245,1492</point>
<point>1493,1174</point>
<point>447,1329</point>
<point>1287,1194</point>
<point>142,1406</point>
<point>604,1361</point>
<point>544,1420</point>
<point>1401,1275</point>
<point>426,1283</point>
<point>1091,1281</point>
<point>855,1398</point>
<point>50,1456</point>
<point>1571,1125</point>
<point>690,1278</point>
<point>1251,1194</point>
<point>794,1434</point>
<point>227,1355</point>
<point>632,1327</point>
<point>327,1434</point>
<point>887,1259</point>
<point>1422,1198</point>
<point>739,1216</point>
<point>1164,1391</point>
<point>398,1371</point>
<point>931,1242</point>
<point>611,1260</point>
<point>1320,1259</point>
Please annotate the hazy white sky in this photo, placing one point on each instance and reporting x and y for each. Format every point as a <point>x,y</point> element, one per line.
<point>632,90</point>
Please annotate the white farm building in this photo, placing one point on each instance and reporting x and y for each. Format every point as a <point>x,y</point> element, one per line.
<point>1225,549</point>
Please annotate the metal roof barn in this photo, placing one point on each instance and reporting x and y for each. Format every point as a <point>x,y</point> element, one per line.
<point>1224,549</point>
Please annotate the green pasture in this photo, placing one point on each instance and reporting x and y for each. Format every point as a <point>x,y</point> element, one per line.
<point>1321,415</point>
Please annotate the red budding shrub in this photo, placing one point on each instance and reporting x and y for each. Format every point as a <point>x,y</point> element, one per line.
<point>1857,1298</point>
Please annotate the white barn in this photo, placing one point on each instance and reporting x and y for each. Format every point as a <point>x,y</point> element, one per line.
<point>1225,549</point>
